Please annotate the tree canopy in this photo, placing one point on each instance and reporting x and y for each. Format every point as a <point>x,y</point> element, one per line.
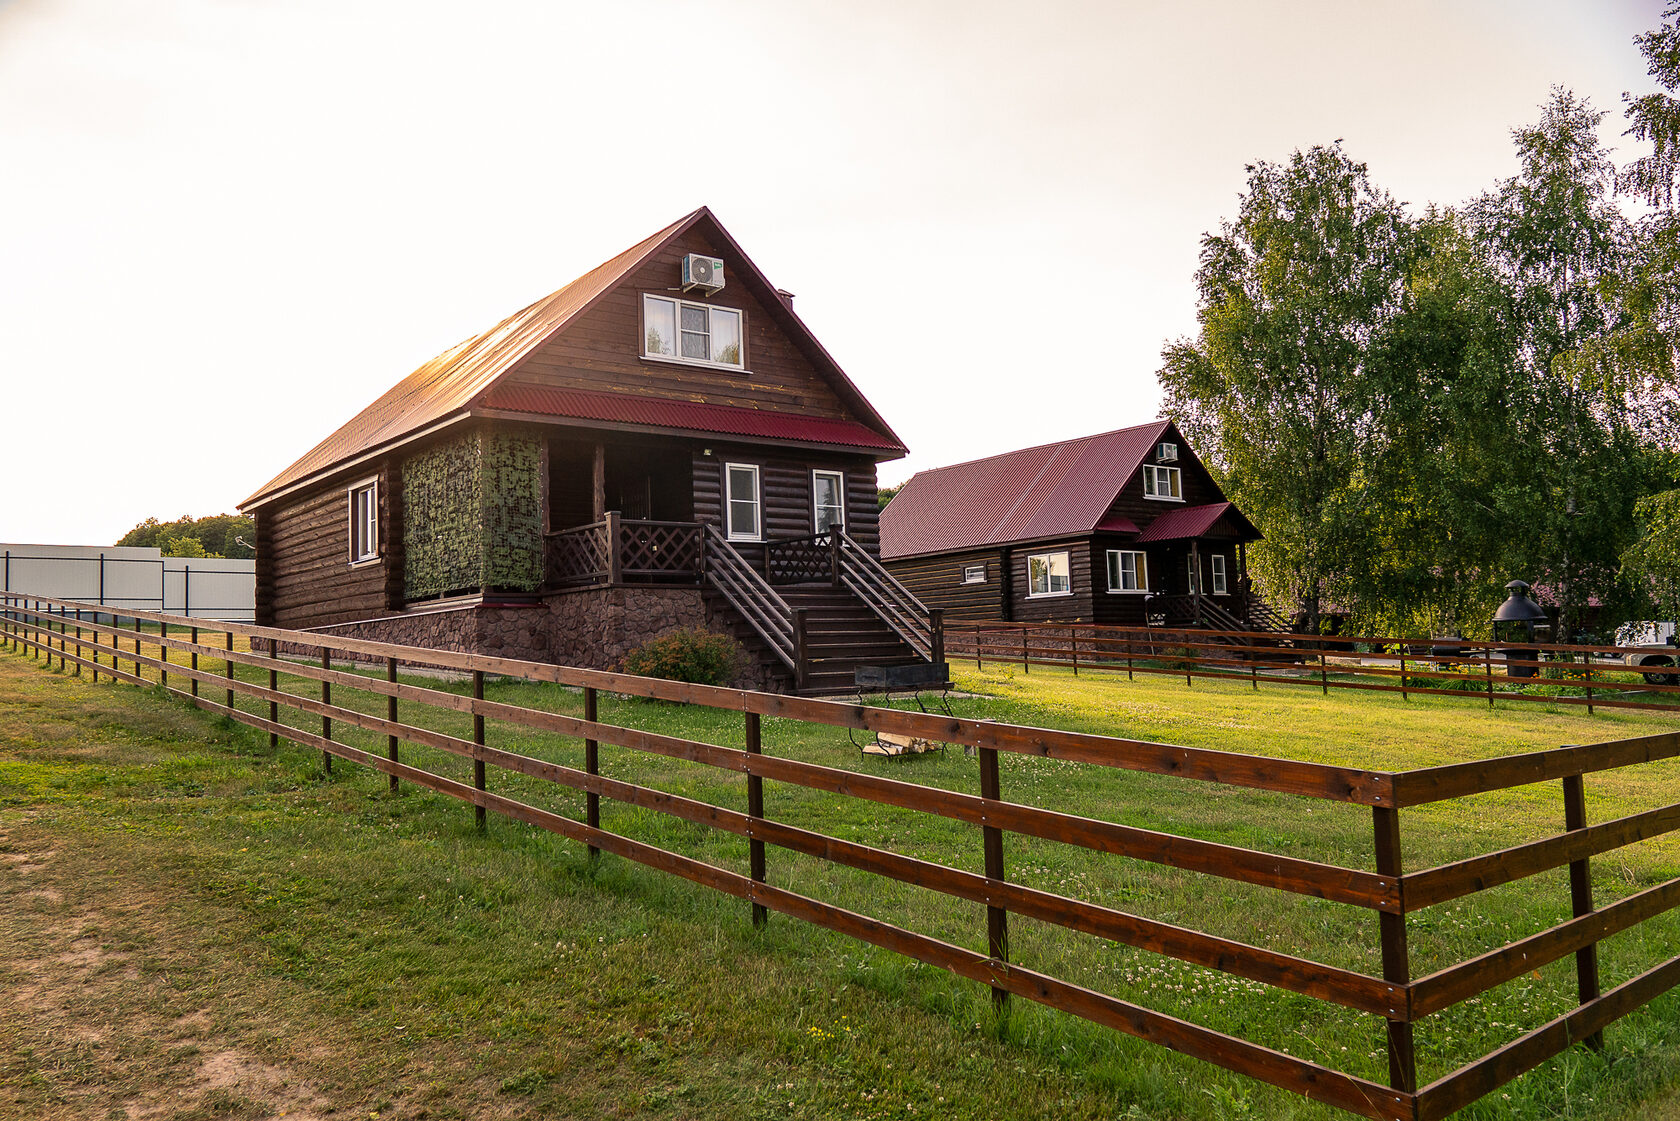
<point>1416,408</point>
<point>213,536</point>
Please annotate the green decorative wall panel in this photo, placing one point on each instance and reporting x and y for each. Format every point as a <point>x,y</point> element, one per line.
<point>473,516</point>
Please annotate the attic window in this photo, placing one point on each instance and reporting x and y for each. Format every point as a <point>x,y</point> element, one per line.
<point>686,332</point>
<point>1162,483</point>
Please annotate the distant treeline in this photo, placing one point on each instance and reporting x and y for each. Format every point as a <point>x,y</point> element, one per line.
<point>213,536</point>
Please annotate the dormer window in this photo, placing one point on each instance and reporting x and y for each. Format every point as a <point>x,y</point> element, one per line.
<point>681,331</point>
<point>1163,483</point>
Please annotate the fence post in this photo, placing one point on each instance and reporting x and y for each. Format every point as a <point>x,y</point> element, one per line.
<point>1487,660</point>
<point>1588,657</point>
<point>227,668</point>
<point>478,741</point>
<point>1402,1059</point>
<point>801,654</point>
<point>273,687</point>
<point>137,629</point>
<point>81,654</point>
<point>1580,897</point>
<point>592,765</point>
<point>1026,656</point>
<point>1404,695</point>
<point>978,664</point>
<point>997,919</point>
<point>1131,648</point>
<point>615,562</point>
<point>326,721</point>
<point>936,634</point>
<point>755,808</point>
<point>1323,673</point>
<point>1073,645</point>
<point>163,655</point>
<point>391,715</point>
<point>194,631</point>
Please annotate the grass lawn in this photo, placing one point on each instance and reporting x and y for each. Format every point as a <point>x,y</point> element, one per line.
<point>195,925</point>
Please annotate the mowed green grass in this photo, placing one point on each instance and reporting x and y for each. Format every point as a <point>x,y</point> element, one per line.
<point>609,989</point>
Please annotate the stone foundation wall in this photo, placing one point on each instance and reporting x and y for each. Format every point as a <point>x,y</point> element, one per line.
<point>592,628</point>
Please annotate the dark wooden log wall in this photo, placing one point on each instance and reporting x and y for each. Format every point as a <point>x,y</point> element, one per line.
<point>785,482</point>
<point>1198,487</point>
<point>310,580</point>
<point>938,582</point>
<point>1074,608</point>
<point>602,349</point>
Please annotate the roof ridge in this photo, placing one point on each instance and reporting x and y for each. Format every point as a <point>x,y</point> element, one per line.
<point>1070,441</point>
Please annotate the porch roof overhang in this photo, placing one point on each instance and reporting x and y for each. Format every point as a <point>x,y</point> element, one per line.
<point>1217,519</point>
<point>664,415</point>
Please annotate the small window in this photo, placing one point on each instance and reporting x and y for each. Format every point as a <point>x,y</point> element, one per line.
<point>828,501</point>
<point>1127,571</point>
<point>1218,562</point>
<point>1162,483</point>
<point>364,521</point>
<point>690,332</point>
<point>742,482</point>
<point>1048,575</point>
<point>974,574</point>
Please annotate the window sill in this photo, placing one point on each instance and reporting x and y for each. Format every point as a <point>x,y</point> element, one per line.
<point>1161,498</point>
<point>1128,591</point>
<point>662,360</point>
<point>366,561</point>
<point>1049,595</point>
<point>733,540</point>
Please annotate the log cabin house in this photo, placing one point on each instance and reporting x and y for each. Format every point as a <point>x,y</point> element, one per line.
<point>662,443</point>
<point>1125,528</point>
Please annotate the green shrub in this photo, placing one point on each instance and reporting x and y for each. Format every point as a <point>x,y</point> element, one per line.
<point>701,657</point>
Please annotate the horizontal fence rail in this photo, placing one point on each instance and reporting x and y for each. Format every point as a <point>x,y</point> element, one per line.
<point>146,648</point>
<point>1546,673</point>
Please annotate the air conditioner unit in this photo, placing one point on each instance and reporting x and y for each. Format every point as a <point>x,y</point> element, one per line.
<point>1167,453</point>
<point>704,273</point>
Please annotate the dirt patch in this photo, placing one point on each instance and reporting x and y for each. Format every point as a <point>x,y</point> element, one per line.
<point>93,1010</point>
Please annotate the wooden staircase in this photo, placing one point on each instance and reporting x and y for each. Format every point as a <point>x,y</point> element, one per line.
<point>822,608</point>
<point>841,633</point>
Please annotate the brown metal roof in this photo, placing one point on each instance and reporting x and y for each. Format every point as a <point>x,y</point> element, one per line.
<point>1196,521</point>
<point>448,384</point>
<point>686,416</point>
<point>1056,490</point>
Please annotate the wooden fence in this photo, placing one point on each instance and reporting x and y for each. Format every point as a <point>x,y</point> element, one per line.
<point>1588,676</point>
<point>49,630</point>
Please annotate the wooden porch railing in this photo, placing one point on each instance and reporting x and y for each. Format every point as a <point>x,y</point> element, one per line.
<point>244,686</point>
<point>870,581</point>
<point>751,595</point>
<point>615,549</point>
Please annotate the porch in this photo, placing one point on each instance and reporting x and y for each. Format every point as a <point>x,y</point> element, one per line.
<point>820,605</point>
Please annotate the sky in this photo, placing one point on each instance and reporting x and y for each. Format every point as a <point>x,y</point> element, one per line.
<point>228,225</point>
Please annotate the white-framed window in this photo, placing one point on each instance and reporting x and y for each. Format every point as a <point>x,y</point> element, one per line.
<point>689,332</point>
<point>1164,483</point>
<point>1192,578</point>
<point>1048,574</point>
<point>828,501</point>
<point>974,574</point>
<point>1219,585</point>
<point>1128,571</point>
<point>741,501</point>
<point>364,521</point>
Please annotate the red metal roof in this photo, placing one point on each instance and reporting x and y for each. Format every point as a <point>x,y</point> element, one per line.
<point>1194,521</point>
<point>442,388</point>
<point>687,416</point>
<point>1061,489</point>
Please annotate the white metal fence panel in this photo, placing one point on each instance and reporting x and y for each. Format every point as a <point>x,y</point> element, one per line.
<point>210,588</point>
<point>122,577</point>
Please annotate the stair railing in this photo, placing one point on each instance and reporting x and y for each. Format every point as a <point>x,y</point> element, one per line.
<point>751,595</point>
<point>870,581</point>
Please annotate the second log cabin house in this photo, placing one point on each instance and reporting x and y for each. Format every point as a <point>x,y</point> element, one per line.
<point>1124,528</point>
<point>662,443</point>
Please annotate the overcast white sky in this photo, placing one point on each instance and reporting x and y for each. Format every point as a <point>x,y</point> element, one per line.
<point>227,225</point>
